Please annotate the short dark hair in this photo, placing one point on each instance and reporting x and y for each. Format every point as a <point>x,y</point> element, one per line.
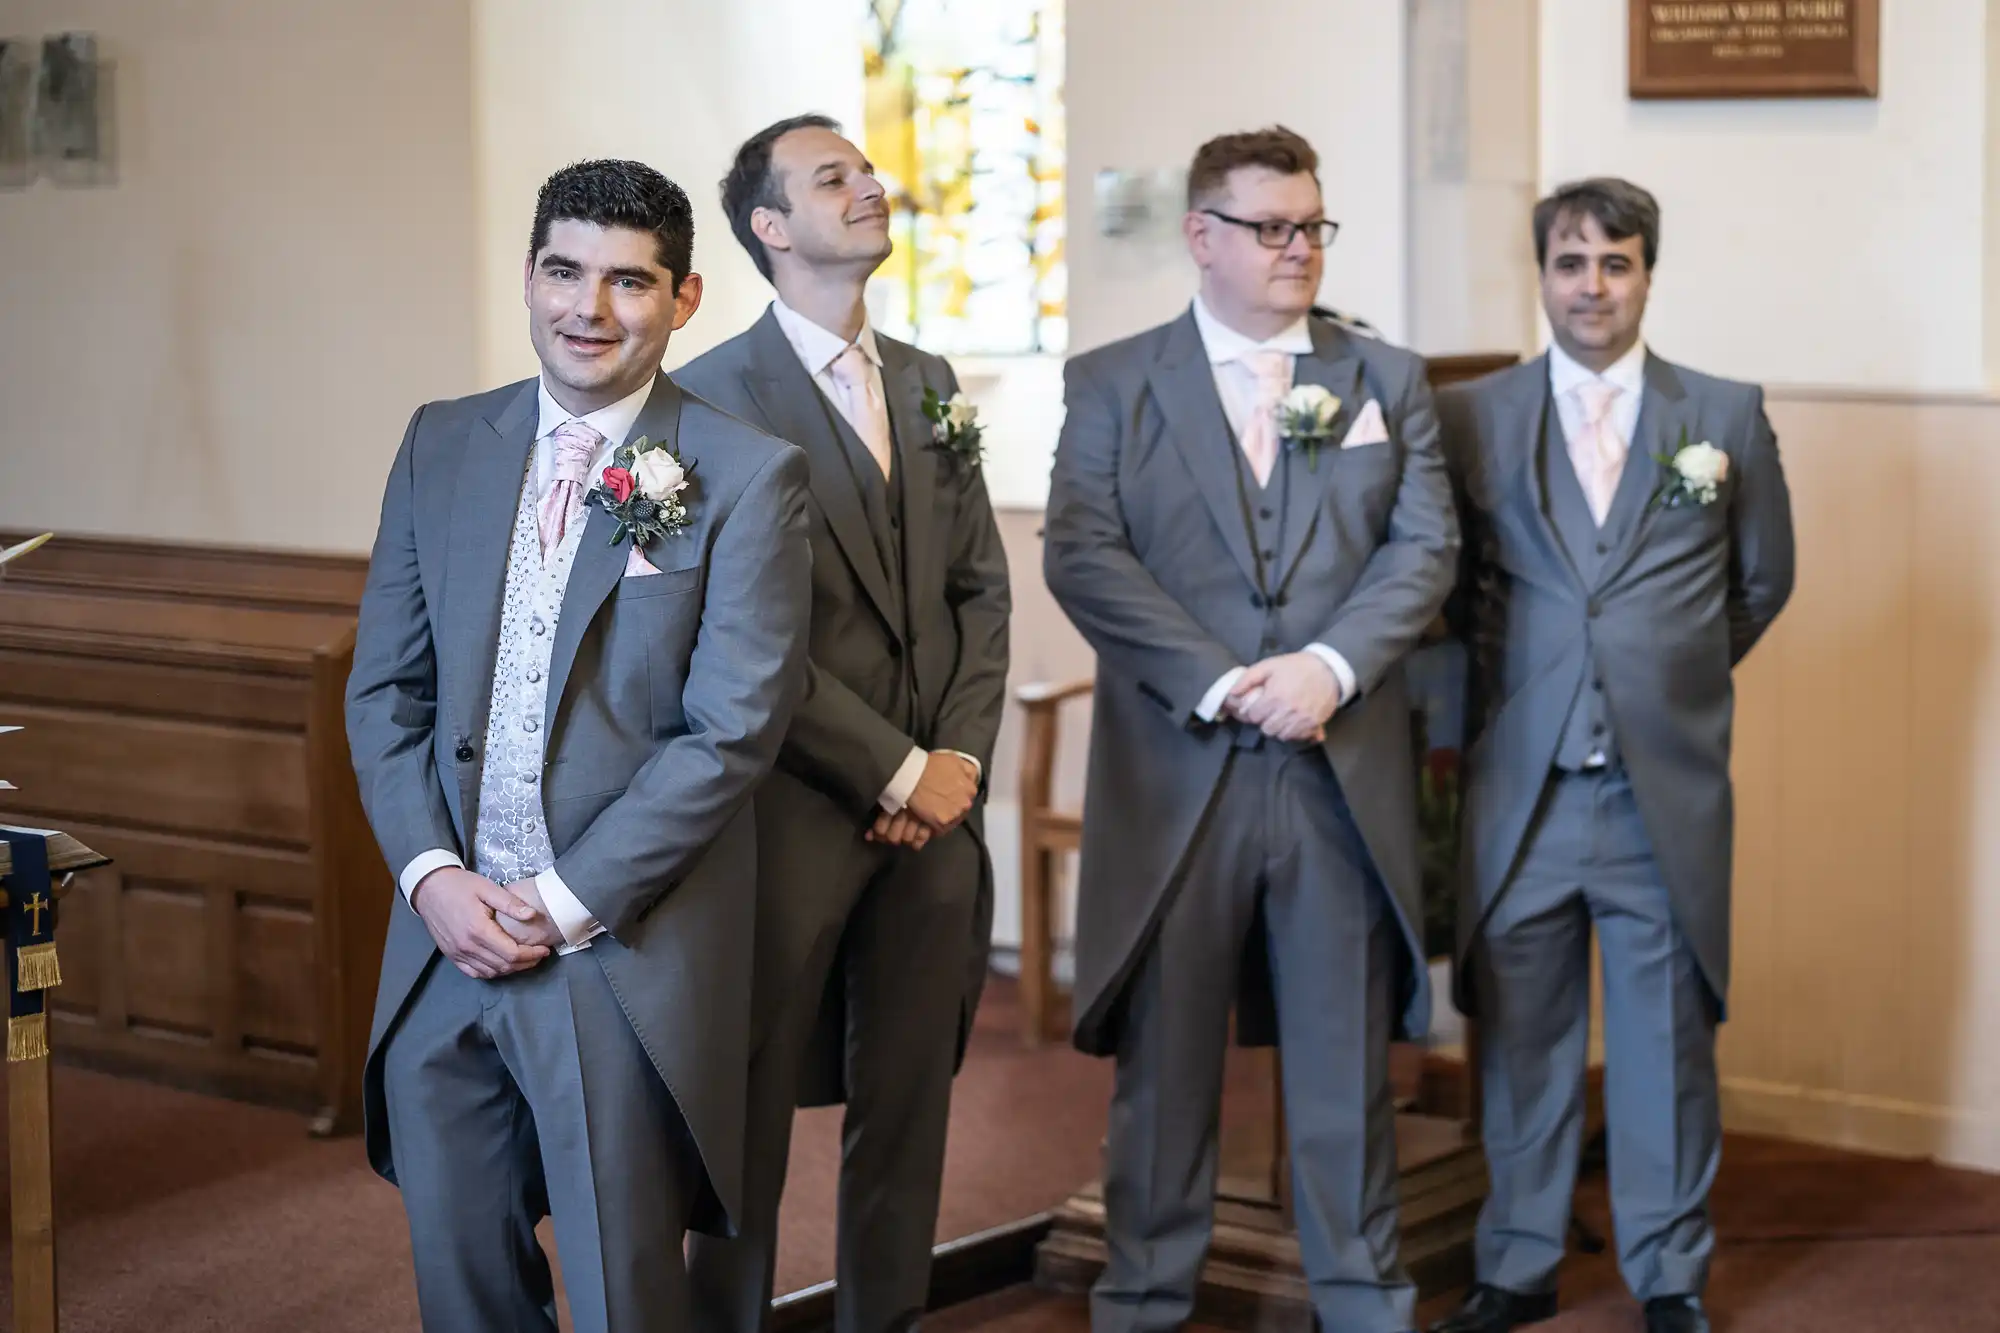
<point>1276,148</point>
<point>751,185</point>
<point>619,194</point>
<point>1620,207</point>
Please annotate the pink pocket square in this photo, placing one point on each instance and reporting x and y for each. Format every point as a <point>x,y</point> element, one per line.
<point>1367,428</point>
<point>636,563</point>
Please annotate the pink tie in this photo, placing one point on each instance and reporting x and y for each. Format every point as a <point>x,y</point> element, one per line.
<point>1598,455</point>
<point>862,404</point>
<point>576,444</point>
<point>1273,371</point>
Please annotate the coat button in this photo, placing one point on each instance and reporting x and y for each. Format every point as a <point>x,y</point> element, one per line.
<point>1257,600</point>
<point>1593,609</point>
<point>464,753</point>
<point>1266,512</point>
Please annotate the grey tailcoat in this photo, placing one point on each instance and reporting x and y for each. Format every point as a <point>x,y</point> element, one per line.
<point>668,696</point>
<point>1148,552</point>
<point>878,683</point>
<point>1678,600</point>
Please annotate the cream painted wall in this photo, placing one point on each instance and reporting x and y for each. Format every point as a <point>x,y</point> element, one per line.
<point>1866,1007</point>
<point>677,86</point>
<point>1149,80</point>
<point>1837,242</point>
<point>226,343</point>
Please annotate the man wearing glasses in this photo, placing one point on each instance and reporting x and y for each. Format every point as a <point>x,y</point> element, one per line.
<point>1250,521</point>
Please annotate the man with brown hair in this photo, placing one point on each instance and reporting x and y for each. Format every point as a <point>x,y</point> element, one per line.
<point>1250,521</point>
<point>1631,541</point>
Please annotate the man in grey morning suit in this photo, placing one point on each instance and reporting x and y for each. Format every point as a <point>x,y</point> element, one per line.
<point>875,895</point>
<point>1249,819</point>
<point>1607,598</point>
<point>564,1026</point>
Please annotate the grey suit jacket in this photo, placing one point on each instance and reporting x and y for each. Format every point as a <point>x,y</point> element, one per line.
<point>668,696</point>
<point>946,667</point>
<point>1147,552</point>
<point>1679,599</point>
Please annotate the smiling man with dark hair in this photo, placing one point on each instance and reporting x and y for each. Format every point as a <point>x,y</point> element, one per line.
<point>875,893</point>
<point>557,722</point>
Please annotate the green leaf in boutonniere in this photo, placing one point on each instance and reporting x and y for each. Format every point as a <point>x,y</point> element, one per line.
<point>955,427</point>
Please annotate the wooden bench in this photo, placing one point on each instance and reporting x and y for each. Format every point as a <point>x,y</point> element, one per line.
<point>183,713</point>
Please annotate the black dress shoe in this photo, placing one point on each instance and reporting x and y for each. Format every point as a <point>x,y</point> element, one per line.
<point>1497,1310</point>
<point>1675,1314</point>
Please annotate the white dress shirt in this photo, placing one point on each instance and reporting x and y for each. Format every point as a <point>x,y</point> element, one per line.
<point>614,423</point>
<point>1627,375</point>
<point>818,348</point>
<point>1236,384</point>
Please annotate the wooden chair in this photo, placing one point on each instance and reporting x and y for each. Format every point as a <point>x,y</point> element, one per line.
<point>1047,835</point>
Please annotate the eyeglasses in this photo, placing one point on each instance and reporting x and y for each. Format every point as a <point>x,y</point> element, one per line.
<point>1277,233</point>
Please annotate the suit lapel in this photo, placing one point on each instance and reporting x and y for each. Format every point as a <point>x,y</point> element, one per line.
<point>1664,411</point>
<point>598,564</point>
<point>1528,419</point>
<point>1183,384</point>
<point>903,387</point>
<point>1333,366</point>
<point>798,414</point>
<point>491,473</point>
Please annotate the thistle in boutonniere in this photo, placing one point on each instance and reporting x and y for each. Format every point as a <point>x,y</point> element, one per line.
<point>644,489</point>
<point>955,427</point>
<point>1305,419</point>
<point>1695,473</point>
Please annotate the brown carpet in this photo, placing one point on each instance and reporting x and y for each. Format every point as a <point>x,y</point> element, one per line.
<point>179,1213</point>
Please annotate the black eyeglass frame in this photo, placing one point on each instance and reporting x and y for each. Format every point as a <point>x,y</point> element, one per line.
<point>1318,234</point>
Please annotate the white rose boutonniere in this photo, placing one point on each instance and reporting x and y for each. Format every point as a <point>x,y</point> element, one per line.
<point>1695,473</point>
<point>644,489</point>
<point>1305,419</point>
<point>659,474</point>
<point>955,427</point>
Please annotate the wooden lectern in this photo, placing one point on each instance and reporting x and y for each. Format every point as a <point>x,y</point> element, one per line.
<point>1252,1278</point>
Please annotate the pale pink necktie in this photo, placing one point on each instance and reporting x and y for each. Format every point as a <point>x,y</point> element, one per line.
<point>1597,454</point>
<point>862,403</point>
<point>1273,372</point>
<point>576,444</point>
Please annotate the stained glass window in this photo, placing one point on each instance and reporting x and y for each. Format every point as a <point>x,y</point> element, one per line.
<point>965,127</point>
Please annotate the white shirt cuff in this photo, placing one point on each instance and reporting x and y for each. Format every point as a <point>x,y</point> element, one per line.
<point>571,917</point>
<point>1211,703</point>
<point>897,794</point>
<point>1342,672</point>
<point>435,859</point>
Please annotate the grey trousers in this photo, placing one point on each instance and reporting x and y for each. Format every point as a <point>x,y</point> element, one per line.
<point>1588,863</point>
<point>1280,838</point>
<point>512,1099</point>
<point>896,936</point>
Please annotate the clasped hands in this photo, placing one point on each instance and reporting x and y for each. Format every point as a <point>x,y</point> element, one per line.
<point>941,801</point>
<point>1288,698</point>
<point>487,930</point>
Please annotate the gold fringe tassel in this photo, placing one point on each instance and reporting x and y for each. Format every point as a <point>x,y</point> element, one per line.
<point>38,967</point>
<point>27,1037</point>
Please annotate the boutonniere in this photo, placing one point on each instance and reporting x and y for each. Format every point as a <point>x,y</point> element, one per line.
<point>1695,473</point>
<point>644,490</point>
<point>955,427</point>
<point>1305,419</point>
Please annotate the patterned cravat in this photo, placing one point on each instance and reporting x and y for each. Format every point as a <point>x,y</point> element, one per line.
<point>576,444</point>
<point>1597,454</point>
<point>861,403</point>
<point>1273,372</point>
